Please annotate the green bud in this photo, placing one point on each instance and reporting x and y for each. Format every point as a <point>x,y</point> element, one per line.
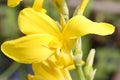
<point>88,69</point>
<point>62,8</point>
<point>90,57</point>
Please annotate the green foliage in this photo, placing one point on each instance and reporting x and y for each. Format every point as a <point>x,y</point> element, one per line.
<point>8,20</point>
<point>51,11</point>
<point>107,62</point>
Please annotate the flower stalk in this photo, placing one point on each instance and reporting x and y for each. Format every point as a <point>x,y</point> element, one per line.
<point>88,69</point>
<point>78,51</point>
<point>78,58</point>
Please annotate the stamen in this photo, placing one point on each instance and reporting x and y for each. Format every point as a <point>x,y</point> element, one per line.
<point>58,51</point>
<point>62,21</point>
<point>38,5</point>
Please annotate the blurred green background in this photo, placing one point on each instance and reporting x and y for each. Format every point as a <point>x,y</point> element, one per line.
<point>107,58</point>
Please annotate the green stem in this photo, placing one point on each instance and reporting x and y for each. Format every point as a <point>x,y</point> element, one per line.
<point>9,71</point>
<point>80,72</point>
<point>78,51</point>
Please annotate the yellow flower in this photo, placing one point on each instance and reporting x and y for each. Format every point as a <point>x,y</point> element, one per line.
<point>46,46</point>
<point>48,70</point>
<point>44,37</point>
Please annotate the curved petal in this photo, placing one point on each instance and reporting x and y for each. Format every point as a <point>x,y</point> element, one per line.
<point>13,3</point>
<point>48,70</point>
<point>32,22</point>
<point>79,26</point>
<point>64,59</point>
<point>28,49</point>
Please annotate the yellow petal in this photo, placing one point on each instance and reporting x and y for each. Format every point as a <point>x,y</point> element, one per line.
<point>82,6</point>
<point>32,22</point>
<point>64,59</point>
<point>80,26</point>
<point>28,49</point>
<point>13,3</point>
<point>38,5</point>
<point>48,70</point>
